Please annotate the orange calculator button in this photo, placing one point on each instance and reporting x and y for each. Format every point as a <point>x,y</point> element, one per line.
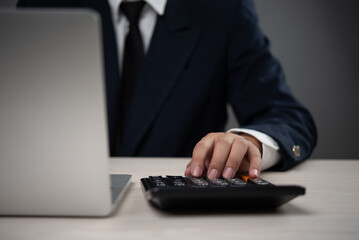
<point>245,177</point>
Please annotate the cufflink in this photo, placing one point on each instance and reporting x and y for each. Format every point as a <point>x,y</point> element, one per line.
<point>296,150</point>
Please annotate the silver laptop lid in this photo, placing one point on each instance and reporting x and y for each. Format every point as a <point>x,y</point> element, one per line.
<point>53,135</point>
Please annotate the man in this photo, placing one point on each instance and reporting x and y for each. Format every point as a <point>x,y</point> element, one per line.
<point>199,56</point>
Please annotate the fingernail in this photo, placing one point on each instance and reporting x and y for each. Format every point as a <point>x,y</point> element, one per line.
<point>196,171</point>
<point>187,171</point>
<point>213,174</point>
<point>228,173</point>
<point>255,172</point>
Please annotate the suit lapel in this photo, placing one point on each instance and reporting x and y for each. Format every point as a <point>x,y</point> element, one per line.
<point>171,46</point>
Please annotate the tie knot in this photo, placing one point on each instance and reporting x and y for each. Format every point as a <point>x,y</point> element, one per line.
<point>132,10</point>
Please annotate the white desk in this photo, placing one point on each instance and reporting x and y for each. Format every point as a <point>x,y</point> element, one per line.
<point>329,210</point>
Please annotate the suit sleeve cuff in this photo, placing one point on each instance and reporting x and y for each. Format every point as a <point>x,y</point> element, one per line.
<point>270,147</point>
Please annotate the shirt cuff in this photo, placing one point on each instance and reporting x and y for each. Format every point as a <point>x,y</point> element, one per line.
<point>270,147</point>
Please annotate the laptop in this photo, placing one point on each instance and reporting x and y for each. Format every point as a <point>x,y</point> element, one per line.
<point>54,150</point>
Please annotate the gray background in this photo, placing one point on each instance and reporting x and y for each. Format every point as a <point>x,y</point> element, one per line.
<point>317,42</point>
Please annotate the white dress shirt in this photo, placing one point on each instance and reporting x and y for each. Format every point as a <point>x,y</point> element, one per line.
<point>147,24</point>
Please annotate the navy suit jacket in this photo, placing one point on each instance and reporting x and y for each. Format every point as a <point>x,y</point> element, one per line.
<point>203,55</point>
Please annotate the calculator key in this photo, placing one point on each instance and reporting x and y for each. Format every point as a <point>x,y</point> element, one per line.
<point>158,181</point>
<point>175,178</point>
<point>245,178</point>
<point>218,182</point>
<point>255,181</point>
<point>200,182</point>
<point>153,178</point>
<point>237,182</point>
<point>258,181</point>
<point>179,184</point>
<point>177,181</point>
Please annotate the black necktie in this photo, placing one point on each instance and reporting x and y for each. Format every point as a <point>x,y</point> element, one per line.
<point>133,55</point>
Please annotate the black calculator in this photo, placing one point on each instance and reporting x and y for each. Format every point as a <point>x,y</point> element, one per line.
<point>175,193</point>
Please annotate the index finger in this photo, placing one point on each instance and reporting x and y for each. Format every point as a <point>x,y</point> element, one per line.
<point>201,153</point>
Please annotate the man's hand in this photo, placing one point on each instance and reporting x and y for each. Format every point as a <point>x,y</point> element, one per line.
<point>223,154</point>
